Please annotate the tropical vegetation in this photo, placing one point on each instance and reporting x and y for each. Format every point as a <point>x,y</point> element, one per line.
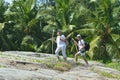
<point>27,25</point>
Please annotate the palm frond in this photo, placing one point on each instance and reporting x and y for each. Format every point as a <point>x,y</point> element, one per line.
<point>1,26</point>
<point>93,45</point>
<point>82,32</point>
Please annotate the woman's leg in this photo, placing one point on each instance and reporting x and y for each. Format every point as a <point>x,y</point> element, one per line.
<point>64,53</point>
<point>57,52</point>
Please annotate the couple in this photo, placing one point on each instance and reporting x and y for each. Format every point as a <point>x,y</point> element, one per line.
<point>61,46</point>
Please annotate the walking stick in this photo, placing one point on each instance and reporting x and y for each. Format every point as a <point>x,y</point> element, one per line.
<point>75,44</point>
<point>52,41</point>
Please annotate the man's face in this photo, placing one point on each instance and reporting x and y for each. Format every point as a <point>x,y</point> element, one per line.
<point>78,37</point>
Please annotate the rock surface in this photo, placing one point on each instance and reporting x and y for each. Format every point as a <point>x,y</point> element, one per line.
<point>11,70</point>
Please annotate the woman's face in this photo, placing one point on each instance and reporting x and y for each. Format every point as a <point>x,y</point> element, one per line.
<point>58,33</point>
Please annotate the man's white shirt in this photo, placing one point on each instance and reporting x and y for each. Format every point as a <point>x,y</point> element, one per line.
<point>81,43</point>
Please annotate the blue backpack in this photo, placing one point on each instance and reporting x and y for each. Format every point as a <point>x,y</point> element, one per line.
<point>87,46</point>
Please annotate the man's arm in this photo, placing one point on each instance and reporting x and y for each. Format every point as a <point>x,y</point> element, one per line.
<point>75,41</point>
<point>83,46</point>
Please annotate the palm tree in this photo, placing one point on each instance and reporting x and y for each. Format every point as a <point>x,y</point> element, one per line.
<point>3,8</point>
<point>6,44</point>
<point>59,15</point>
<point>22,13</point>
<point>104,19</point>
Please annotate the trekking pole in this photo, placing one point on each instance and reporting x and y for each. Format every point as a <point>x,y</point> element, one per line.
<point>52,41</point>
<point>75,44</point>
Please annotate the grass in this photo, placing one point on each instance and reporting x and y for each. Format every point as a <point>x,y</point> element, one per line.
<point>57,65</point>
<point>1,66</point>
<point>114,65</point>
<point>62,66</point>
<point>109,75</point>
<point>106,74</point>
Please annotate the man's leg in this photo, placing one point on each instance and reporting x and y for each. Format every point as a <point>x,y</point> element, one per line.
<point>57,52</point>
<point>84,57</point>
<point>76,57</point>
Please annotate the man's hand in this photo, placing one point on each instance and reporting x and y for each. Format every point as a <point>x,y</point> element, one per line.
<point>74,41</point>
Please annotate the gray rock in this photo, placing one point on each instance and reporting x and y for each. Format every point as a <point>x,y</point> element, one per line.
<point>108,70</point>
<point>15,74</point>
<point>78,72</point>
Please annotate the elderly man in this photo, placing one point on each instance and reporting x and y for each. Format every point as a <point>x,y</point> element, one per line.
<point>81,46</point>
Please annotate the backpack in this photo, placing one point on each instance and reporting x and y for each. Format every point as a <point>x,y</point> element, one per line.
<point>87,46</point>
<point>65,41</point>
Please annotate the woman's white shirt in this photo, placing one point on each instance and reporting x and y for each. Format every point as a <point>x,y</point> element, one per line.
<point>59,42</point>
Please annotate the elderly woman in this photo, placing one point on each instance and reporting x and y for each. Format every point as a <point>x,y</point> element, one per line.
<point>61,45</point>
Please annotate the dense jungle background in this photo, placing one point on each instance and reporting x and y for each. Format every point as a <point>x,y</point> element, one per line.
<point>27,25</point>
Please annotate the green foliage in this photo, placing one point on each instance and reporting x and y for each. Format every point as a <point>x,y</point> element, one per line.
<point>97,21</point>
<point>1,26</point>
<point>3,8</point>
<point>45,47</point>
<point>28,44</point>
<point>101,19</point>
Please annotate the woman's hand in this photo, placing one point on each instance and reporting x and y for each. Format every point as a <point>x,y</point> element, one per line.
<point>53,39</point>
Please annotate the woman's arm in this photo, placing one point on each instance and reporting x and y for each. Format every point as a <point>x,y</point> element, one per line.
<point>53,39</point>
<point>63,38</point>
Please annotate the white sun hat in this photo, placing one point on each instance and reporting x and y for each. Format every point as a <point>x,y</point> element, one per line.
<point>78,35</point>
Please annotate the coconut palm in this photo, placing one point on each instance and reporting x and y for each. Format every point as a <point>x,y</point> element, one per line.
<point>105,20</point>
<point>6,44</point>
<point>60,15</point>
<point>3,8</point>
<point>22,13</point>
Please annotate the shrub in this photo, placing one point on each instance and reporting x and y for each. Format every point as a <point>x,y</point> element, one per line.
<point>28,44</point>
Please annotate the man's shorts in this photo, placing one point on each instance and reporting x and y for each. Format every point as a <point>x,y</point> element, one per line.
<point>82,53</point>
